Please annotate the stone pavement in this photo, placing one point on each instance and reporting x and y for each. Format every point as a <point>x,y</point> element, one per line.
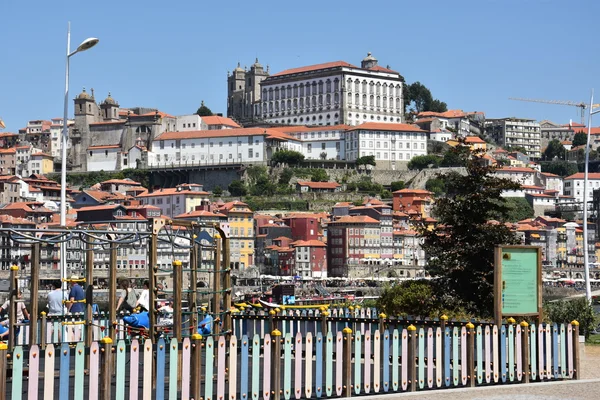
<point>586,389</point>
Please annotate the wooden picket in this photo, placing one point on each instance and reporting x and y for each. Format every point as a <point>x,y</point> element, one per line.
<point>134,357</point>
<point>17,372</point>
<point>79,371</point>
<point>34,371</point>
<point>94,372</point>
<point>161,361</point>
<point>395,360</point>
<point>174,369</point>
<point>232,370</point>
<point>266,368</point>
<point>120,373</point>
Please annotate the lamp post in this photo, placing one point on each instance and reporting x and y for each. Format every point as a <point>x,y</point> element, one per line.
<point>85,45</point>
<point>586,261</point>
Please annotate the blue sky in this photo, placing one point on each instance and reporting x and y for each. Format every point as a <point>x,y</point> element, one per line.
<point>171,55</point>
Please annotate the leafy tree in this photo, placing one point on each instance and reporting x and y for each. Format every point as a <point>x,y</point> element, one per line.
<point>365,184</point>
<point>554,150</point>
<point>217,191</point>
<point>580,139</point>
<point>263,187</point>
<point>385,194</point>
<point>436,185</point>
<point>455,157</point>
<point>518,210</point>
<point>204,111</point>
<point>436,147</point>
<point>286,175</point>
<point>319,175</point>
<point>237,188</point>
<point>413,297</point>
<point>397,185</point>
<point>422,162</point>
<point>438,106</point>
<point>512,149</point>
<point>566,311</point>
<point>460,249</point>
<point>289,157</point>
<point>420,96</point>
<point>365,160</point>
<point>559,167</point>
<point>256,171</point>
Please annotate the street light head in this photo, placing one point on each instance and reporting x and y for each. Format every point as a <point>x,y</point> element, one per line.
<point>87,44</point>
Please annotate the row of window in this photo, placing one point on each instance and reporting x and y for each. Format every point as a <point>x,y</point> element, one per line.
<point>177,144</point>
<point>316,87</point>
<point>212,157</point>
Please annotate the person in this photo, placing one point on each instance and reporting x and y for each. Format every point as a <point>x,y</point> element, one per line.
<point>22,313</point>
<point>128,299</point>
<point>56,298</point>
<point>75,296</point>
<point>144,300</point>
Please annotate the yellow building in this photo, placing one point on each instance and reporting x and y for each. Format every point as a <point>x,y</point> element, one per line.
<point>41,163</point>
<point>474,142</point>
<point>241,226</point>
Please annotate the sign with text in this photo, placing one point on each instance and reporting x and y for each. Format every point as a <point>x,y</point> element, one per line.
<point>517,281</point>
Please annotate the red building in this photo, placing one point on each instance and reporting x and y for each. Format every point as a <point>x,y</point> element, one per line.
<point>303,227</point>
<point>413,200</point>
<point>311,258</point>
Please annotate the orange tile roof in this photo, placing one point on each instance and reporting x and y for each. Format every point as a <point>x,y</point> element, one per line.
<point>171,192</point>
<point>356,219</point>
<point>11,150</point>
<point>108,123</point>
<point>109,146</point>
<point>121,182</point>
<point>217,120</point>
<point>308,243</point>
<point>100,195</point>
<point>304,128</point>
<point>548,174</point>
<point>41,154</point>
<point>9,219</point>
<point>516,170</point>
<point>315,67</point>
<point>448,114</point>
<point>474,139</point>
<point>201,213</point>
<point>160,113</point>
<point>269,133</point>
<point>319,185</point>
<point>413,191</point>
<point>383,126</point>
<point>579,175</point>
<point>379,68</point>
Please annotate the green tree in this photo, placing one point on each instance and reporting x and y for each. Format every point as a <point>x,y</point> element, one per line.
<point>559,167</point>
<point>217,191</point>
<point>460,248</point>
<point>413,297</point>
<point>455,157</point>
<point>286,175</point>
<point>319,175</point>
<point>365,160</point>
<point>256,171</point>
<point>580,139</point>
<point>437,186</point>
<point>263,187</point>
<point>204,111</point>
<point>566,311</point>
<point>520,149</point>
<point>518,210</point>
<point>419,96</point>
<point>237,188</point>
<point>554,150</point>
<point>397,185</point>
<point>289,157</point>
<point>422,162</point>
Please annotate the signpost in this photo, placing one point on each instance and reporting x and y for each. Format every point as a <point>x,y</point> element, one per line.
<point>517,282</point>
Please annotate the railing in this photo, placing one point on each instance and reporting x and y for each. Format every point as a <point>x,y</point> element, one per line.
<point>276,366</point>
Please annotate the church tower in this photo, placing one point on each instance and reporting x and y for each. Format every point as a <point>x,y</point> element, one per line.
<point>235,92</point>
<point>86,113</point>
<point>368,62</point>
<point>109,109</point>
<point>253,79</point>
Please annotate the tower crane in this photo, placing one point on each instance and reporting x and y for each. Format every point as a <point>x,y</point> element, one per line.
<point>582,106</point>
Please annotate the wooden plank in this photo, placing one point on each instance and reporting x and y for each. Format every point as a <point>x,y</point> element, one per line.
<point>232,369</point>
<point>298,365</point>
<point>367,369</point>
<point>377,361</point>
<point>34,371</point>
<point>555,349</point>
<point>395,360</point>
<point>447,358</point>
<point>49,372</point>
<point>148,361</point>
<point>17,373</point>
<point>94,371</point>
<point>570,349</point>
<point>78,387</point>
<point>120,373</point>
<point>287,365</point>
<point>308,384</point>
<point>541,359</point>
<point>160,369</point>
<point>210,366</point>
<point>503,354</point>
<point>339,359</point>
<point>532,350</point>
<point>386,360</point>
<point>421,362</point>
<point>65,360</point>
<point>267,369</point>
<point>173,369</point>
<point>134,367</point>
<point>455,371</point>
<point>518,353</point>
<point>439,368</point>
<point>488,354</point>
<point>255,368</point>
<point>495,354</point>
<point>357,362</point>
<point>244,368</point>
<point>479,344</point>
<point>405,360</point>
<point>463,355</point>
<point>430,360</point>
<point>319,366</point>
<point>563,352</point>
<point>548,351</point>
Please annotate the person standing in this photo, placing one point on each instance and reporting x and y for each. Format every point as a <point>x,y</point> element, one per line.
<point>144,299</point>
<point>56,300</point>
<point>76,296</point>
<point>128,299</point>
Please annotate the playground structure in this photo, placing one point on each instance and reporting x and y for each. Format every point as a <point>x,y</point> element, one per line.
<point>191,236</point>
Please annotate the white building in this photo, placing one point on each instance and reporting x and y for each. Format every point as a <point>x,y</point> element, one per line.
<point>320,142</point>
<point>524,176</point>
<point>175,201</point>
<point>391,144</point>
<point>516,132</point>
<point>56,137</point>
<point>332,93</point>
<point>194,122</point>
<point>573,185</point>
<point>103,158</point>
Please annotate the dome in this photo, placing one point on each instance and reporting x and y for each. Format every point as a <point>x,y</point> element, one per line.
<point>238,68</point>
<point>256,64</point>
<point>84,95</point>
<point>369,57</point>
<point>109,100</point>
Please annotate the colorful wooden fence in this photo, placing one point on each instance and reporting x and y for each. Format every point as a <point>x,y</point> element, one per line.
<point>293,366</point>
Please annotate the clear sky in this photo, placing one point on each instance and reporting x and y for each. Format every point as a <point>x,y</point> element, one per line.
<point>171,55</point>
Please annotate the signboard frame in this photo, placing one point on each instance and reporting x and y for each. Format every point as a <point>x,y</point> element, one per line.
<point>498,311</point>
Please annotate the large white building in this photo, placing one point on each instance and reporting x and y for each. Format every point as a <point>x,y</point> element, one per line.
<point>516,132</point>
<point>332,93</point>
<point>573,185</point>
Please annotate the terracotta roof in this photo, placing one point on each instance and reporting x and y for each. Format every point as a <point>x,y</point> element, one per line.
<point>356,219</point>
<point>315,67</point>
<point>540,195</point>
<point>101,196</point>
<point>231,204</point>
<point>308,243</point>
<point>515,170</point>
<point>383,126</point>
<point>474,139</point>
<point>41,154</point>
<point>319,185</point>
<point>121,182</point>
<point>532,187</point>
<point>548,174</point>
<point>100,147</point>
<point>217,120</point>
<point>579,175</point>
<point>12,150</point>
<point>159,113</point>
<point>282,238</point>
<point>171,192</point>
<point>413,191</point>
<point>97,208</point>
<point>201,213</point>
<point>269,132</point>
<point>304,128</point>
<point>9,219</point>
<point>343,204</point>
<point>379,68</point>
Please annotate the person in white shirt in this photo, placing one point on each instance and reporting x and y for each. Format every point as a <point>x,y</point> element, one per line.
<point>144,300</point>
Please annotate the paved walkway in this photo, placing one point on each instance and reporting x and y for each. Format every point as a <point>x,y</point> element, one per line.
<point>586,389</point>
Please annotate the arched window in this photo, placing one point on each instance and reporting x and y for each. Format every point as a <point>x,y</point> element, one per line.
<point>356,85</point>
<point>357,99</point>
<point>295,90</point>
<point>295,104</point>
<point>371,100</point>
<point>371,86</point>
<point>270,94</point>
<point>385,102</point>
<point>301,103</point>
<point>328,85</point>
<point>364,86</point>
<point>364,100</point>
<point>283,92</point>
<point>320,87</point>
<point>276,93</point>
<point>314,101</point>
<point>378,101</point>
<point>385,89</point>
<point>276,106</point>
<point>336,98</point>
<point>378,88</point>
<point>289,105</point>
<point>397,103</point>
<point>328,99</point>
<point>350,98</point>
<point>336,85</point>
<point>301,90</point>
<point>320,100</point>
<point>308,92</point>
<point>289,91</point>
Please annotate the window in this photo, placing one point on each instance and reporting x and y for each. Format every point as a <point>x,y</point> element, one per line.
<point>309,148</point>
<point>250,153</point>
<point>322,146</point>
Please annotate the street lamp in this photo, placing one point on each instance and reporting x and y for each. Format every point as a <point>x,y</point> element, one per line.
<point>85,45</point>
<point>586,261</point>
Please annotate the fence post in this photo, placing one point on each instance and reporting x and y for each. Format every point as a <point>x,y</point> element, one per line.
<point>276,364</point>
<point>3,365</point>
<point>411,357</point>
<point>382,318</point>
<point>347,368</point>
<point>443,321</point>
<point>105,368</point>
<point>525,350</point>
<point>324,324</point>
<point>471,354</point>
<point>34,290</point>
<point>576,358</point>
<point>196,379</point>
<point>43,332</point>
<point>272,323</point>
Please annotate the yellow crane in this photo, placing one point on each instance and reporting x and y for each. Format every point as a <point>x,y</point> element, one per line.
<point>582,106</point>
<point>2,126</point>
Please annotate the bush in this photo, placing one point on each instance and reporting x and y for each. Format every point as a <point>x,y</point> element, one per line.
<point>365,160</point>
<point>290,157</point>
<point>397,185</point>
<point>565,311</point>
<point>237,188</point>
<point>422,162</point>
<point>414,297</point>
<point>319,175</point>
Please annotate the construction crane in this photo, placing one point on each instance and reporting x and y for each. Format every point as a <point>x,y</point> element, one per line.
<point>582,106</point>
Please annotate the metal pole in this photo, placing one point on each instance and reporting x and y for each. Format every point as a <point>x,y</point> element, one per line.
<point>586,261</point>
<point>227,284</point>
<point>152,269</point>
<point>216,306</point>
<point>112,292</point>
<point>89,294</point>
<point>35,286</point>
<point>63,171</point>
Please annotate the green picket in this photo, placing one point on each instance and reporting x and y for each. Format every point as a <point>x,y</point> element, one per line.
<point>79,371</point>
<point>173,363</point>
<point>208,371</point>
<point>121,371</point>
<point>17,374</point>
